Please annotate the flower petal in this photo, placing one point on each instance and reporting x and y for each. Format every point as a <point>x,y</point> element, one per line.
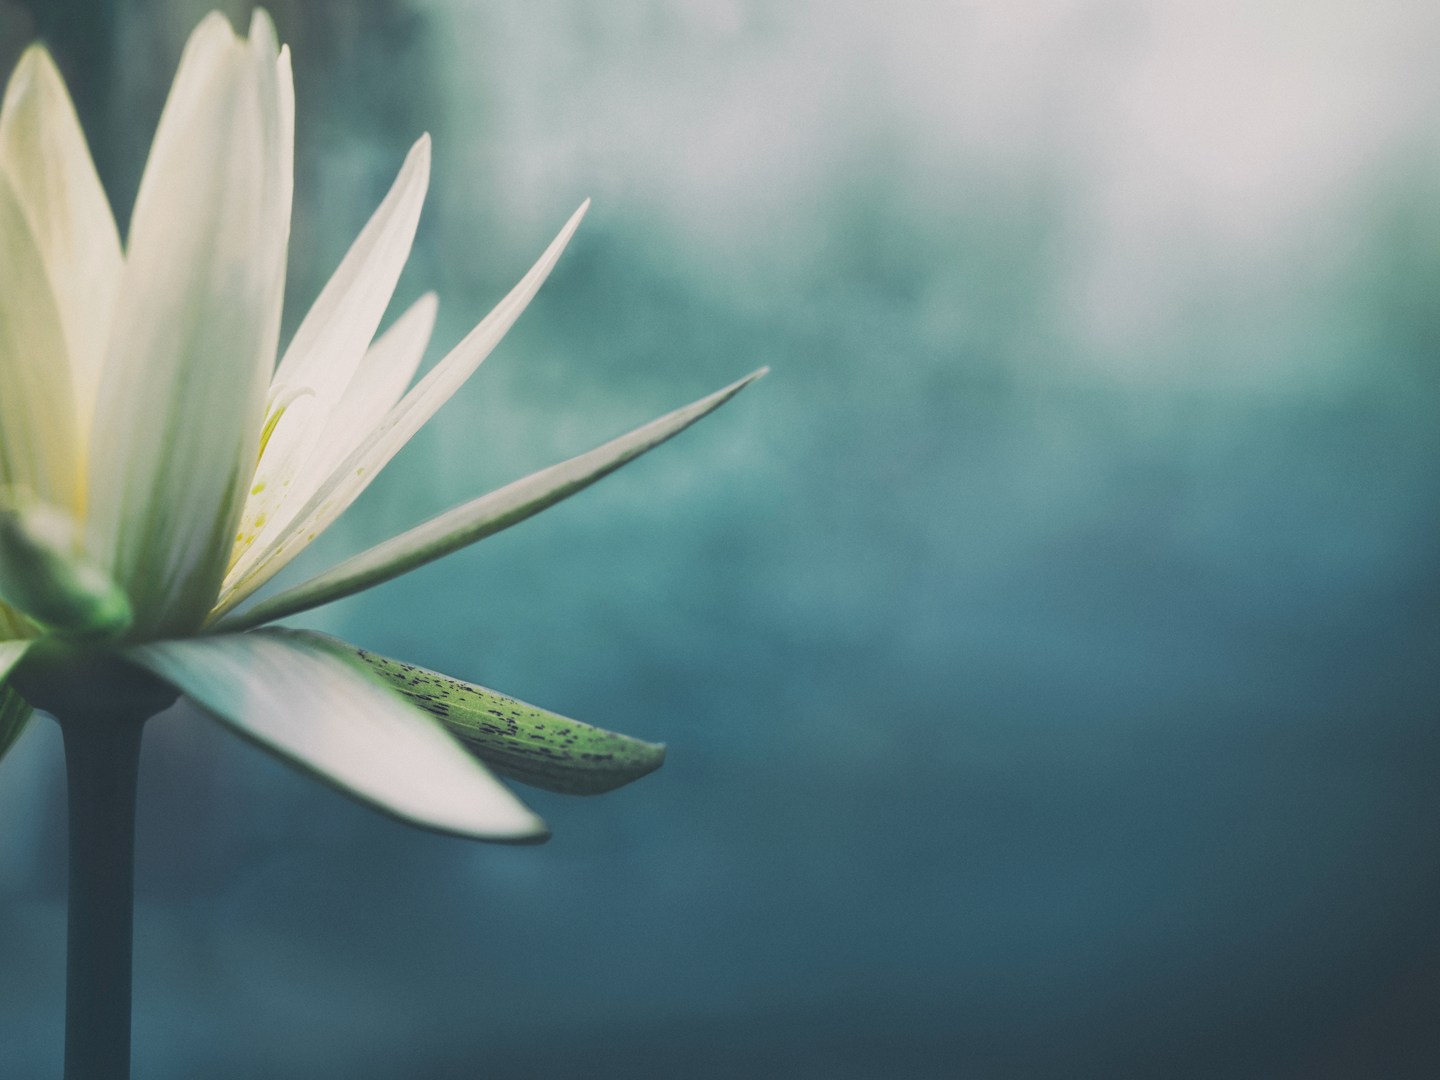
<point>265,558</point>
<point>43,153</point>
<point>291,694</point>
<point>479,518</point>
<point>38,432</point>
<point>15,626</point>
<point>10,654</point>
<point>379,383</point>
<point>330,344</point>
<point>195,329</point>
<point>518,740</point>
<point>14,710</point>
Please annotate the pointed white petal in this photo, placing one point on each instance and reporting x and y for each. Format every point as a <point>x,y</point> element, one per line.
<point>268,555</point>
<point>38,437</point>
<point>209,51</point>
<point>194,331</point>
<point>476,520</point>
<point>284,166</point>
<point>294,696</point>
<point>43,153</point>
<point>379,383</point>
<point>360,288</point>
<point>329,345</point>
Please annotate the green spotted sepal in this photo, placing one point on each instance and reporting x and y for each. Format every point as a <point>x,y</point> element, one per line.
<point>517,740</point>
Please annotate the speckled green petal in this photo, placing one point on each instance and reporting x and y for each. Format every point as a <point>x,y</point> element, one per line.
<point>519,741</point>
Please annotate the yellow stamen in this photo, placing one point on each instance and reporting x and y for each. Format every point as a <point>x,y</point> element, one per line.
<point>281,398</point>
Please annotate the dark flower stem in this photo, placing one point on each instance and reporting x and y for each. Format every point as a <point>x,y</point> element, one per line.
<point>101,703</point>
<point>102,762</point>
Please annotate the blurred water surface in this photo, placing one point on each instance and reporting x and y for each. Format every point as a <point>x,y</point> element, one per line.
<point>1046,649</point>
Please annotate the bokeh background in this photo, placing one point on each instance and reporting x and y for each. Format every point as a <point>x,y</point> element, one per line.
<point>1047,649</point>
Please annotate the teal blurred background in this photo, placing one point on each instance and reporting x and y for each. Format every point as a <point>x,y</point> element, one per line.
<point>1047,649</point>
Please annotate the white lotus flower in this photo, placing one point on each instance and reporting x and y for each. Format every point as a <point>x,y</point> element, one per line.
<point>156,473</point>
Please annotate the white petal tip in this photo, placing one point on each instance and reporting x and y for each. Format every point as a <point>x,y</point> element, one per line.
<point>537,833</point>
<point>418,156</point>
<point>489,824</point>
<point>542,269</point>
<point>33,56</point>
<point>262,32</point>
<point>213,23</point>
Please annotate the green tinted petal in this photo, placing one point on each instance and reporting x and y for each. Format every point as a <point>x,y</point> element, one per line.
<point>44,574</point>
<point>10,654</point>
<point>297,697</point>
<point>193,339</point>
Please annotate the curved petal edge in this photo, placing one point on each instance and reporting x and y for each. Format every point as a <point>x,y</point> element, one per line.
<point>298,698</point>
